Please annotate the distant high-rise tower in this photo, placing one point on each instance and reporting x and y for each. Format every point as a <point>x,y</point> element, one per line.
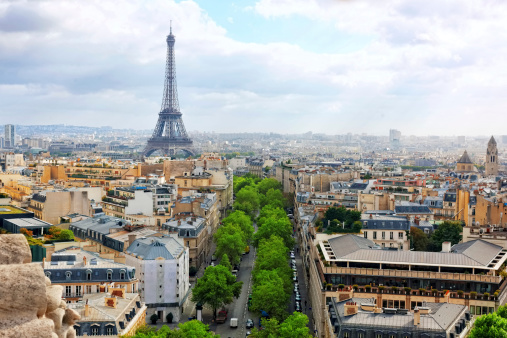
<point>492,158</point>
<point>10,136</point>
<point>394,137</point>
<point>169,135</point>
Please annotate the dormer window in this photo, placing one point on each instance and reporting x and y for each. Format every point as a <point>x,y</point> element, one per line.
<point>68,275</point>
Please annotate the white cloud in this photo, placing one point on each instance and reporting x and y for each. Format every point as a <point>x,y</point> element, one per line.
<point>100,62</point>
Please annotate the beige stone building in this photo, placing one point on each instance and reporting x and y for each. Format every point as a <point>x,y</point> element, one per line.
<point>50,206</point>
<point>465,164</point>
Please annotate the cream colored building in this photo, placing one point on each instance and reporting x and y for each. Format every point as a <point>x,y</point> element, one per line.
<point>50,206</point>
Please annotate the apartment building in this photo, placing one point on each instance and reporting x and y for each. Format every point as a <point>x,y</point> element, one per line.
<point>162,265</point>
<point>82,273</point>
<point>387,231</point>
<point>123,201</point>
<point>195,236</point>
<point>50,206</point>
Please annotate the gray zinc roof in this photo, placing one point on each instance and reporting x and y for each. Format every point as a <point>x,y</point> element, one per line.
<point>412,209</point>
<point>441,317</point>
<point>470,254</point>
<point>154,247</point>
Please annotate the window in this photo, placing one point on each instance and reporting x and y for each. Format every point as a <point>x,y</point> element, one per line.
<point>400,235</point>
<point>391,235</point>
<point>88,289</point>
<point>78,290</point>
<point>365,234</point>
<point>374,235</point>
<point>378,335</point>
<point>78,330</point>
<point>383,235</point>
<point>95,330</point>
<point>109,275</point>
<point>346,335</point>
<point>68,291</point>
<point>360,335</point>
<point>68,274</point>
<point>110,330</point>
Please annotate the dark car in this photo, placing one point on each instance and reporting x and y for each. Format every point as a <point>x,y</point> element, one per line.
<point>249,324</point>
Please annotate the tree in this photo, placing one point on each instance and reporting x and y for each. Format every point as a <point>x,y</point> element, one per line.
<point>270,211</point>
<point>272,255</point>
<point>169,317</point>
<point>274,198</point>
<point>247,200</point>
<point>491,325</point>
<point>335,213</point>
<point>270,329</point>
<point>217,287</point>
<point>225,262</point>
<point>268,183</point>
<point>419,240</point>
<point>193,329</point>
<point>295,326</point>
<point>278,227</point>
<point>266,295</point>
<point>190,329</point>
<point>240,219</point>
<point>449,231</point>
<point>230,240</point>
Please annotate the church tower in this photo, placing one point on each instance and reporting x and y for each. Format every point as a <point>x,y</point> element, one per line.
<point>492,158</point>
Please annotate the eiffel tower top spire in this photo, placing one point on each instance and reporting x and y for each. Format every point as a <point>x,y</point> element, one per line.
<point>170,103</point>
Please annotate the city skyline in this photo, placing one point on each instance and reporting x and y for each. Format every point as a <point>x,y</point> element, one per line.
<point>286,67</point>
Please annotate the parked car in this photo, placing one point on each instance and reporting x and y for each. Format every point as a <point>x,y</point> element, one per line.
<point>298,307</point>
<point>296,289</point>
<point>298,297</point>
<point>292,255</point>
<point>293,261</point>
<point>249,323</point>
<point>295,279</point>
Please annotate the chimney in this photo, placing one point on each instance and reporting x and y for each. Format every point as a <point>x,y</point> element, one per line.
<point>43,261</point>
<point>179,222</point>
<point>132,238</point>
<point>84,260</point>
<point>417,220</point>
<point>87,309</point>
<point>417,317</point>
<point>371,216</point>
<point>446,247</point>
<point>350,308</point>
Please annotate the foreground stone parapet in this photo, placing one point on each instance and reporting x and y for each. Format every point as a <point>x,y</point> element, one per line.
<point>14,249</point>
<point>29,305</point>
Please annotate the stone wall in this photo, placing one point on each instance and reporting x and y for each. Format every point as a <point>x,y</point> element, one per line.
<point>29,305</point>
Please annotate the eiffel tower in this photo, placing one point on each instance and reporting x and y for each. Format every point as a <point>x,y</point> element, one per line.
<point>169,135</point>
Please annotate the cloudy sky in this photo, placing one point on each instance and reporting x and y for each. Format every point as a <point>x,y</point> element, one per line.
<point>289,66</point>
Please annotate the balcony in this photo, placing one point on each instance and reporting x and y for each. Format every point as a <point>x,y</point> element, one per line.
<point>411,274</point>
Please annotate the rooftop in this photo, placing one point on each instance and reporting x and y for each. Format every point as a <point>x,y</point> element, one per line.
<point>9,209</point>
<point>155,247</point>
<point>441,316</point>
<point>477,253</point>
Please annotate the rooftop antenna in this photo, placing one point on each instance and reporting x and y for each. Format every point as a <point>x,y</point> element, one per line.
<point>170,27</point>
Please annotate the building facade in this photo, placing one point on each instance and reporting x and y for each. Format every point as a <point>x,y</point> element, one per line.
<point>163,266</point>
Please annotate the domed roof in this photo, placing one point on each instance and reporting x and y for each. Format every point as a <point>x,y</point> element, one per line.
<point>465,158</point>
